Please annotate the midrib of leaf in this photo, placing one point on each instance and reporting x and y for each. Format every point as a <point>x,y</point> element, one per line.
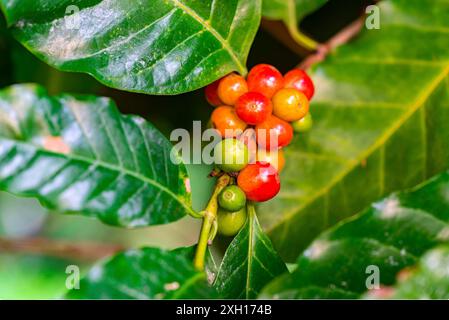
<point>411,110</point>
<point>241,68</point>
<point>100,163</point>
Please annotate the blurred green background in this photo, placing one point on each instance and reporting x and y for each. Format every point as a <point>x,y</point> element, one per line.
<point>35,276</point>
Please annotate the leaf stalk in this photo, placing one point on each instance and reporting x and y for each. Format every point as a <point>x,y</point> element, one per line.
<point>209,218</point>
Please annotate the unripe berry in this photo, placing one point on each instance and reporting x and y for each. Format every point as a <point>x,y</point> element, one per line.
<point>303,125</point>
<point>232,198</point>
<point>231,155</point>
<point>230,223</point>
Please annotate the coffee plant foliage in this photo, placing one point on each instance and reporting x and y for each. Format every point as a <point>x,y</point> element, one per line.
<point>380,132</point>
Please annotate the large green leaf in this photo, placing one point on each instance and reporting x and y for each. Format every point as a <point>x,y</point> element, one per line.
<point>155,47</point>
<point>80,155</point>
<point>249,263</point>
<point>148,273</point>
<point>430,280</point>
<point>381,110</point>
<point>291,12</point>
<point>392,234</point>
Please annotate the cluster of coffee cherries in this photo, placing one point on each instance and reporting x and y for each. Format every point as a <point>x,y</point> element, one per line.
<point>256,118</point>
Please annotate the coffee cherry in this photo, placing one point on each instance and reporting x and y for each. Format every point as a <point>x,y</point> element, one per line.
<point>232,198</point>
<point>265,79</point>
<point>274,157</point>
<point>274,133</point>
<point>231,155</point>
<point>211,93</point>
<point>253,108</point>
<point>259,181</point>
<point>231,88</point>
<point>230,223</point>
<point>290,105</point>
<point>300,80</point>
<point>226,122</point>
<point>303,125</point>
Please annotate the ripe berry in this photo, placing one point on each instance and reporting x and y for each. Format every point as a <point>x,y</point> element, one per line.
<point>300,80</point>
<point>226,121</point>
<point>274,133</point>
<point>290,105</point>
<point>211,93</point>
<point>232,198</point>
<point>265,79</point>
<point>253,108</point>
<point>303,125</point>
<point>231,155</point>
<point>274,157</point>
<point>230,223</point>
<point>259,181</point>
<point>231,88</point>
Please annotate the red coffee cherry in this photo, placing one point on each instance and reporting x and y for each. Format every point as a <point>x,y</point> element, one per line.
<point>300,80</point>
<point>265,79</point>
<point>253,108</point>
<point>211,93</point>
<point>259,181</point>
<point>274,133</point>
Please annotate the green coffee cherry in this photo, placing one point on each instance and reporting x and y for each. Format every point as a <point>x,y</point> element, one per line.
<point>232,198</point>
<point>230,223</point>
<point>303,125</point>
<point>231,155</point>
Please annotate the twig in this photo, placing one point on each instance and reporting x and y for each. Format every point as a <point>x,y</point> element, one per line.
<point>84,251</point>
<point>339,39</point>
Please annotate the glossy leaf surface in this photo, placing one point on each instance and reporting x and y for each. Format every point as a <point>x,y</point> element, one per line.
<point>80,155</point>
<point>381,111</point>
<point>148,273</point>
<point>156,47</point>
<point>384,239</point>
<point>249,263</point>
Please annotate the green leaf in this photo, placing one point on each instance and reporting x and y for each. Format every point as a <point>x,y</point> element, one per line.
<point>147,273</point>
<point>381,111</point>
<point>166,47</point>
<point>390,235</point>
<point>291,12</point>
<point>249,263</point>
<point>429,281</point>
<point>80,155</point>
